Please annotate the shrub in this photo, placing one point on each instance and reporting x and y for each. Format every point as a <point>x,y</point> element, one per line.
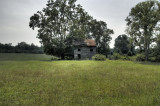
<point>99,57</point>
<point>140,57</point>
<point>130,53</point>
<point>69,57</point>
<point>157,58</point>
<point>153,59</point>
<point>110,57</point>
<point>115,56</point>
<point>125,58</point>
<point>55,58</point>
<point>132,58</point>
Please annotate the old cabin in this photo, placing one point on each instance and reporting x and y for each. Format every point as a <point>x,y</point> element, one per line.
<point>84,49</point>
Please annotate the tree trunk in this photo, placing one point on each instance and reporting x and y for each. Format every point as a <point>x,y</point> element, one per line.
<point>140,49</point>
<point>146,54</point>
<point>146,45</point>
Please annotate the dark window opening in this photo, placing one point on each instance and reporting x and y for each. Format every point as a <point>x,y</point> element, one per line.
<point>79,49</point>
<point>91,50</point>
<point>79,56</point>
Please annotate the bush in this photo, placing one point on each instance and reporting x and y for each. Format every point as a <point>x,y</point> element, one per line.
<point>132,58</point>
<point>157,58</point>
<point>55,58</point>
<point>130,53</point>
<point>140,57</point>
<point>115,56</point>
<point>99,57</point>
<point>68,57</point>
<point>125,58</point>
<point>152,59</point>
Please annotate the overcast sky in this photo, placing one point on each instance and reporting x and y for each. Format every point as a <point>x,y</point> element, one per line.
<point>15,15</point>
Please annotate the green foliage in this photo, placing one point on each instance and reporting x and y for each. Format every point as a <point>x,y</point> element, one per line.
<point>122,44</point>
<point>143,23</point>
<point>63,21</point>
<point>21,47</point>
<point>131,53</point>
<point>54,58</point>
<point>101,34</point>
<point>157,58</point>
<point>125,57</point>
<point>69,57</point>
<point>115,56</point>
<point>156,49</point>
<point>59,23</point>
<point>133,58</point>
<point>152,59</point>
<point>69,83</point>
<point>140,57</point>
<point>99,57</point>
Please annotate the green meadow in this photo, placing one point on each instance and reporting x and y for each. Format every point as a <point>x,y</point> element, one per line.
<point>30,79</point>
<point>23,57</point>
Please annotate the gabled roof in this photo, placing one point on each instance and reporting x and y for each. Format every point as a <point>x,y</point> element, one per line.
<point>90,43</point>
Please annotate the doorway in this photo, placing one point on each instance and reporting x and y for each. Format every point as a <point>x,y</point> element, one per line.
<point>79,56</point>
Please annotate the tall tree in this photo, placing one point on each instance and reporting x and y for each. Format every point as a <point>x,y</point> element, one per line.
<point>101,33</point>
<point>142,22</point>
<point>59,23</point>
<point>122,44</point>
<point>63,21</point>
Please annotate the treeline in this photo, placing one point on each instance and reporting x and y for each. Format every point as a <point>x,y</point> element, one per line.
<point>62,22</point>
<point>123,49</point>
<point>21,47</point>
<point>143,30</point>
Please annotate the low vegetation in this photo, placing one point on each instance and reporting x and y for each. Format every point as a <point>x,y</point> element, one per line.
<point>70,83</point>
<point>24,57</point>
<point>99,57</point>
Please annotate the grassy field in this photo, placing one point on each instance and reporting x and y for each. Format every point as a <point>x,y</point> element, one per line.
<point>23,57</point>
<point>78,83</point>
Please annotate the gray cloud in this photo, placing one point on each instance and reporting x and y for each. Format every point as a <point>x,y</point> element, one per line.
<point>14,20</point>
<point>15,14</point>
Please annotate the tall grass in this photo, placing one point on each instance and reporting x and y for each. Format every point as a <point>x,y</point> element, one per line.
<point>113,83</point>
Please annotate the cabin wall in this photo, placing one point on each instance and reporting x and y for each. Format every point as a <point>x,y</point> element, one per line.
<point>83,53</point>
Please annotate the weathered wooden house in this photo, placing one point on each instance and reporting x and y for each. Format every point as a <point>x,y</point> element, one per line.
<point>84,49</point>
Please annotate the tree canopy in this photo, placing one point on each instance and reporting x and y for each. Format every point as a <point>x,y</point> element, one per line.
<point>143,21</point>
<point>122,44</point>
<point>101,34</point>
<point>63,21</point>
